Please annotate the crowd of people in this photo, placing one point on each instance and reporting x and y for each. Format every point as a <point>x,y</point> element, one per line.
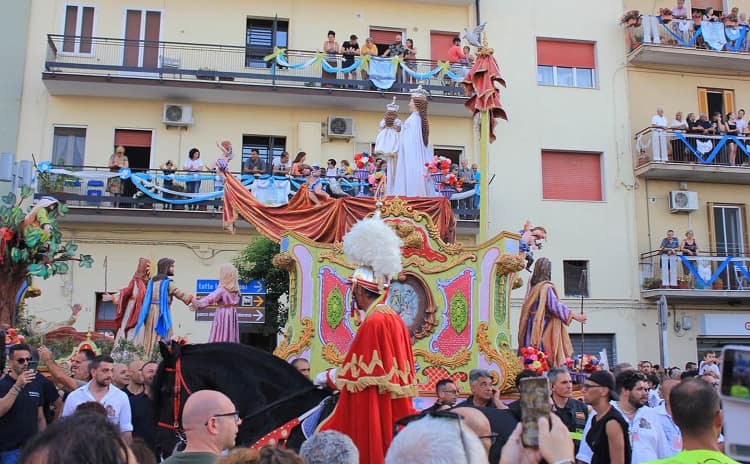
<point>630,415</point>
<point>666,145</point>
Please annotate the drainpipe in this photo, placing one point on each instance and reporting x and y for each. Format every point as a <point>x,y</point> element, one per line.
<point>479,15</point>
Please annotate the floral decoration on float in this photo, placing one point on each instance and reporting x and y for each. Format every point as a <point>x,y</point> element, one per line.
<point>534,359</point>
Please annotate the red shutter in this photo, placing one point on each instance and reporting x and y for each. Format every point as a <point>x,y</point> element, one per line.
<point>571,176</point>
<point>71,26</point>
<point>87,29</point>
<point>703,4</point>
<point>151,47</point>
<point>383,37</point>
<point>440,42</point>
<point>132,38</point>
<point>566,54</point>
<point>132,138</point>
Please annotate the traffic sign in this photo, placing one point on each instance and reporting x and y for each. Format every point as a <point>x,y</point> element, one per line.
<point>206,286</point>
<point>253,301</point>
<point>245,315</point>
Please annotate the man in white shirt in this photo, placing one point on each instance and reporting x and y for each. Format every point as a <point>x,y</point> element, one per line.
<point>100,390</point>
<point>741,123</point>
<point>647,438</point>
<point>659,135</point>
<point>664,411</point>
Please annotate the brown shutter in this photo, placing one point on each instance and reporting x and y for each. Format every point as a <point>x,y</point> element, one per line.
<point>384,37</point>
<point>565,54</point>
<point>702,100</point>
<point>87,29</point>
<point>440,42</point>
<point>132,38</point>
<point>571,176</point>
<point>703,4</point>
<point>728,101</point>
<point>132,138</point>
<point>151,47</point>
<point>71,26</point>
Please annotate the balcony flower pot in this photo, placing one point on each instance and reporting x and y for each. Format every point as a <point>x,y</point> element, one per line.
<point>718,284</point>
<point>651,283</point>
<point>683,284</point>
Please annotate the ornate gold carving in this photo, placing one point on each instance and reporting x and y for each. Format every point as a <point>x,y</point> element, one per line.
<point>409,235</point>
<point>433,267</point>
<point>439,359</point>
<point>517,282</point>
<point>335,258</point>
<point>508,263</point>
<point>397,207</point>
<point>332,355</point>
<point>506,359</point>
<point>284,261</point>
<point>286,349</point>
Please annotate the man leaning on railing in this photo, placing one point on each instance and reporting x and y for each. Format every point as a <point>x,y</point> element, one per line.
<point>669,248</point>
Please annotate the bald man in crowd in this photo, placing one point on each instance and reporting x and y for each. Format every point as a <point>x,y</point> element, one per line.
<point>211,423</point>
<point>478,423</point>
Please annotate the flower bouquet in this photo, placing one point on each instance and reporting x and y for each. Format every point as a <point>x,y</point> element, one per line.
<point>437,169</point>
<point>376,178</point>
<point>534,359</point>
<point>588,363</point>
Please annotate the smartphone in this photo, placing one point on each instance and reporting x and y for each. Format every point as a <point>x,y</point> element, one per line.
<point>535,403</point>
<point>735,396</point>
<point>735,373</point>
<point>32,365</point>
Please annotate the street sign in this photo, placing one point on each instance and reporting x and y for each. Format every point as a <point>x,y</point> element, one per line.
<point>253,301</point>
<point>251,309</point>
<point>206,286</point>
<point>244,315</point>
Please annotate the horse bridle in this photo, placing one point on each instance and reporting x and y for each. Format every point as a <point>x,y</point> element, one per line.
<point>179,385</point>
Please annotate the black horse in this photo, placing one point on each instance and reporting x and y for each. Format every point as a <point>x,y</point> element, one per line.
<point>267,391</point>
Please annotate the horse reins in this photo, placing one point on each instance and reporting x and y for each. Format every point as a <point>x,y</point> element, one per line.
<point>179,385</point>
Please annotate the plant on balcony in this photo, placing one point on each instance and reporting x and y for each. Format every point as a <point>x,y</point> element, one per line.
<point>718,284</point>
<point>666,15</point>
<point>31,246</point>
<point>631,18</point>
<point>683,281</point>
<point>651,283</point>
<point>50,183</point>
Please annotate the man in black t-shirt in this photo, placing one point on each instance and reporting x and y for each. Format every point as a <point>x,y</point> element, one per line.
<point>349,49</point>
<point>21,398</point>
<point>571,411</point>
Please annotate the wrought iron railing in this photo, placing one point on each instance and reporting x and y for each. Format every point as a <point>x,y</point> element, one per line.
<point>224,64</point>
<point>677,146</point>
<point>706,271</point>
<point>690,33</point>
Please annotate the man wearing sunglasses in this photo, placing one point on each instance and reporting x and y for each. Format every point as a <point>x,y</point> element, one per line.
<point>21,400</point>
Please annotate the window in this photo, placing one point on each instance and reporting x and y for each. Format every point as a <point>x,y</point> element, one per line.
<point>261,37</point>
<point>575,278</point>
<point>78,29</point>
<point>571,176</point>
<point>440,43</point>
<point>383,37</point>
<point>68,146</point>
<point>594,344</point>
<point>270,147</point>
<point>712,101</point>
<point>453,154</point>
<point>105,315</point>
<point>565,64</point>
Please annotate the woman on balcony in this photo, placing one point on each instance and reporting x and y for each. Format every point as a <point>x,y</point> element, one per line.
<point>689,247</point>
<point>193,164</point>
<point>117,161</point>
<point>331,49</point>
<point>731,127</point>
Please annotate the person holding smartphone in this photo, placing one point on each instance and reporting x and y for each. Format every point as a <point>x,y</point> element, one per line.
<point>21,397</point>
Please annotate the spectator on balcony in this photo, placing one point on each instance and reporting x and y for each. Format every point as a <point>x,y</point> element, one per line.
<point>410,59</point>
<point>659,136</point>
<point>741,123</point>
<point>282,166</point>
<point>331,170</point>
<point>299,160</point>
<point>678,149</point>
<point>668,249</point>
<point>331,48</point>
<point>680,12</point>
<point>470,58</point>
<point>688,247</point>
<point>315,184</point>
<point>477,178</point>
<point>350,49</point>
<point>731,129</point>
<point>254,165</point>
<point>117,161</point>
<point>345,169</point>
<point>455,53</point>
<point>369,48</point>
<point>396,49</point>
<point>466,175</point>
<point>193,164</point>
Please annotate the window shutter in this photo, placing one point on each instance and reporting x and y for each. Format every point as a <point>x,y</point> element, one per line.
<point>133,138</point>
<point>702,100</point>
<point>440,42</point>
<point>593,344</point>
<point>384,37</point>
<point>71,26</point>
<point>565,54</point>
<point>87,29</point>
<point>703,4</point>
<point>728,102</point>
<point>571,176</point>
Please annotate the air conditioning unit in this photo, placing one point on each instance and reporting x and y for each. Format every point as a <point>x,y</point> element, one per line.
<point>177,115</point>
<point>681,200</point>
<point>340,127</point>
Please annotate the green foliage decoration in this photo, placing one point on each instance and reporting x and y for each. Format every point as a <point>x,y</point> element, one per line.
<point>459,312</point>
<point>335,308</point>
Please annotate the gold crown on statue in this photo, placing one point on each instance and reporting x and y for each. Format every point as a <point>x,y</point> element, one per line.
<point>419,92</point>
<point>392,106</point>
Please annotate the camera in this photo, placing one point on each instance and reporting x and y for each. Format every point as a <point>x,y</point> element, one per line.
<point>735,396</point>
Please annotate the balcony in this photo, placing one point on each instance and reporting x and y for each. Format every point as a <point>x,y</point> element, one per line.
<point>155,197</point>
<point>708,277</point>
<point>226,74</point>
<point>684,156</point>
<point>682,45</point>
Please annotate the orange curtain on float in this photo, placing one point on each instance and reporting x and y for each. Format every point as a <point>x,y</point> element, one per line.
<point>325,223</point>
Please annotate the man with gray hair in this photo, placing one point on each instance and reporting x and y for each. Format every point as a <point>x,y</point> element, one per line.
<point>659,136</point>
<point>622,367</point>
<point>483,394</point>
<point>436,440</point>
<point>329,447</point>
<point>571,411</point>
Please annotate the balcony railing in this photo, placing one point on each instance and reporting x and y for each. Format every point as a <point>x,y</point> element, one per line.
<point>226,64</point>
<point>690,33</point>
<point>672,146</point>
<point>92,187</point>
<point>707,271</point>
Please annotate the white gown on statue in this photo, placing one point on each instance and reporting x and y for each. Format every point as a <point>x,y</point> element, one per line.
<point>413,154</point>
<point>387,144</point>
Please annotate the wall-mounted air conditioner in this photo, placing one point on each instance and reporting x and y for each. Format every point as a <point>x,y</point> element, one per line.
<point>681,200</point>
<point>177,115</point>
<point>340,127</point>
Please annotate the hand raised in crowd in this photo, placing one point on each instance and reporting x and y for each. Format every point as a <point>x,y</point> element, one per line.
<point>555,444</point>
<point>45,355</point>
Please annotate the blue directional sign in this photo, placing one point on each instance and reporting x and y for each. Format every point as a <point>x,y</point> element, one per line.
<point>251,309</point>
<point>206,286</point>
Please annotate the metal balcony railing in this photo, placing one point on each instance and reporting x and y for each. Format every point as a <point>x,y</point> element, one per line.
<point>675,146</point>
<point>708,271</point>
<point>221,64</point>
<point>690,33</point>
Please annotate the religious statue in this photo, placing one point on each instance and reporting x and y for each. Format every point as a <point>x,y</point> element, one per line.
<point>386,143</point>
<point>544,318</point>
<point>129,302</point>
<point>157,320</point>
<point>226,297</point>
<point>411,178</point>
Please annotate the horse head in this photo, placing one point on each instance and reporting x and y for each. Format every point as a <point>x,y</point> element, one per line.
<point>267,391</point>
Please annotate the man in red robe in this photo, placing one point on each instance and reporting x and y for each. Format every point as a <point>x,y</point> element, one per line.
<point>377,378</point>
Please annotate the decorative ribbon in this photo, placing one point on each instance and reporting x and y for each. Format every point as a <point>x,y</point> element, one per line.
<point>678,37</point>
<point>717,148</point>
<point>724,264</point>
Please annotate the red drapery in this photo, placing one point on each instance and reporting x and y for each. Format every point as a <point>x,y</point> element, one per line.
<point>480,83</point>
<point>326,222</point>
